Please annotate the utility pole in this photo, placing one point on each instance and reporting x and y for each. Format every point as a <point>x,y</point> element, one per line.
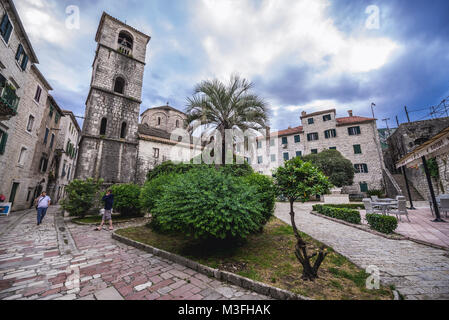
<point>397,121</point>
<point>406,112</point>
<point>388,128</point>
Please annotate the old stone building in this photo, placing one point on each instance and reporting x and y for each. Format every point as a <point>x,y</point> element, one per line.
<point>407,138</point>
<point>109,142</point>
<point>67,150</point>
<point>19,114</point>
<point>355,137</point>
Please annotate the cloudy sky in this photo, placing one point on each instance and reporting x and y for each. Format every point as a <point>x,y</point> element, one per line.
<point>300,54</point>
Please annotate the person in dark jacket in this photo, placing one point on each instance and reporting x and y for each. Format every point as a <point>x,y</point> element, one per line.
<point>108,200</point>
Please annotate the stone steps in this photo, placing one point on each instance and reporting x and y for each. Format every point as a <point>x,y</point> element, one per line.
<point>416,196</point>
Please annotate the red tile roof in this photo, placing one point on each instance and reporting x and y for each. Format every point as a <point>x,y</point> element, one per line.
<point>288,131</point>
<point>353,120</point>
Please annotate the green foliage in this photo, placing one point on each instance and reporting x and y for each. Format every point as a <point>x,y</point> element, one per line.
<point>348,215</point>
<point>433,168</point>
<point>299,180</point>
<point>267,192</point>
<point>379,193</point>
<point>207,204</point>
<point>237,170</point>
<point>354,206</point>
<point>153,189</point>
<point>81,195</point>
<point>126,199</point>
<point>332,163</point>
<point>381,223</point>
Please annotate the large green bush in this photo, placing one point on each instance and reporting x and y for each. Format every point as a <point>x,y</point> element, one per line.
<point>208,204</point>
<point>126,199</point>
<point>266,191</point>
<point>348,215</point>
<point>384,224</point>
<point>81,195</point>
<point>153,190</point>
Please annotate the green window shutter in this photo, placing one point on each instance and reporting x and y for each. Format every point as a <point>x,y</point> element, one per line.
<point>365,167</point>
<point>5,21</point>
<point>284,140</point>
<point>299,153</point>
<point>297,139</point>
<point>3,142</point>
<point>326,134</point>
<point>363,187</point>
<point>24,62</point>
<point>19,52</point>
<point>357,149</point>
<point>8,32</point>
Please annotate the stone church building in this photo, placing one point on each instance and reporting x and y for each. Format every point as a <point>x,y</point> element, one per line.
<point>114,146</point>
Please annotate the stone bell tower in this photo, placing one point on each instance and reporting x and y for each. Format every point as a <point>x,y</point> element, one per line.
<point>108,147</point>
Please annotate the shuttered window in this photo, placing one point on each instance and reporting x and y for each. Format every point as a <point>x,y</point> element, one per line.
<point>357,149</point>
<point>3,139</point>
<point>6,28</point>
<point>297,139</point>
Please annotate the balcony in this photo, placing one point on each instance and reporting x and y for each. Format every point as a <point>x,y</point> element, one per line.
<point>8,102</point>
<point>125,50</point>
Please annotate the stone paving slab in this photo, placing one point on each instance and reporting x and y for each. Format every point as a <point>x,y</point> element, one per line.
<point>417,271</point>
<point>90,265</point>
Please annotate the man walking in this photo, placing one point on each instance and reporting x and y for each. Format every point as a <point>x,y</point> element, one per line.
<point>107,216</point>
<point>42,204</point>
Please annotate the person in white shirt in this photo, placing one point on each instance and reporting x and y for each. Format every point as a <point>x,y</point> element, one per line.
<point>42,204</point>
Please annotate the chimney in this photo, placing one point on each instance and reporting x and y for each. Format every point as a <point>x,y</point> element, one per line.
<point>303,114</point>
<point>350,113</point>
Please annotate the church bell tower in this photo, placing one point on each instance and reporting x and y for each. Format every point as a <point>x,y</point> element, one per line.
<point>109,143</point>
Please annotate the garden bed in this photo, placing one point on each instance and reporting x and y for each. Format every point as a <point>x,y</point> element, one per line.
<point>269,258</point>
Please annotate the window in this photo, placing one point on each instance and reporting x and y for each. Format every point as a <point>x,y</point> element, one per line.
<point>21,57</point>
<point>177,123</point>
<point>299,153</point>
<point>284,140</point>
<point>259,144</point>
<point>57,117</point>
<point>3,139</point>
<point>123,131</point>
<point>327,117</point>
<point>104,125</point>
<point>354,131</point>
<point>43,164</point>
<point>30,124</point>
<point>52,140</point>
<point>363,187</point>
<point>286,156</point>
<point>310,121</point>
<point>273,158</point>
<point>51,111</point>
<point>47,132</point>
<point>159,121</point>
<point>63,169</point>
<point>119,85</point>
<point>312,137</point>
<point>68,173</point>
<point>125,40</point>
<point>357,149</point>
<point>248,160</point>
<point>37,96</point>
<point>297,139</point>
<point>22,156</point>
<point>330,133</point>
<point>361,168</point>
<point>333,148</point>
<point>272,142</point>
<point>260,160</point>
<point>6,28</point>
<point>156,153</point>
<point>314,151</point>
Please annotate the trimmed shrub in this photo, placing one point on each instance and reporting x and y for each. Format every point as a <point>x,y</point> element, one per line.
<point>126,199</point>
<point>266,190</point>
<point>237,170</point>
<point>354,206</point>
<point>208,204</point>
<point>81,195</point>
<point>381,223</point>
<point>348,215</point>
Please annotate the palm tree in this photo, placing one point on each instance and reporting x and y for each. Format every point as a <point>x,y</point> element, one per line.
<point>227,106</point>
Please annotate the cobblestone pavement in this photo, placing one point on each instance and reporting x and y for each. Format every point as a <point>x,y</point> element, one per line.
<point>417,271</point>
<point>45,262</point>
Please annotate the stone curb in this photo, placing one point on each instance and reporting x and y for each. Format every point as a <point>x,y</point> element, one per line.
<point>367,229</point>
<point>96,223</point>
<point>258,287</point>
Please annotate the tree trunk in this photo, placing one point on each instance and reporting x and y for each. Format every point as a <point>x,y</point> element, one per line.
<point>309,272</point>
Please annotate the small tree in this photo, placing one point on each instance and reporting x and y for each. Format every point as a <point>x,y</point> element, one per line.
<point>299,180</point>
<point>81,195</point>
<point>126,199</point>
<point>340,170</point>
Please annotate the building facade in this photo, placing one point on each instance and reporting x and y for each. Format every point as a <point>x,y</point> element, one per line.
<point>19,114</point>
<point>67,149</point>
<point>356,138</point>
<point>109,139</point>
